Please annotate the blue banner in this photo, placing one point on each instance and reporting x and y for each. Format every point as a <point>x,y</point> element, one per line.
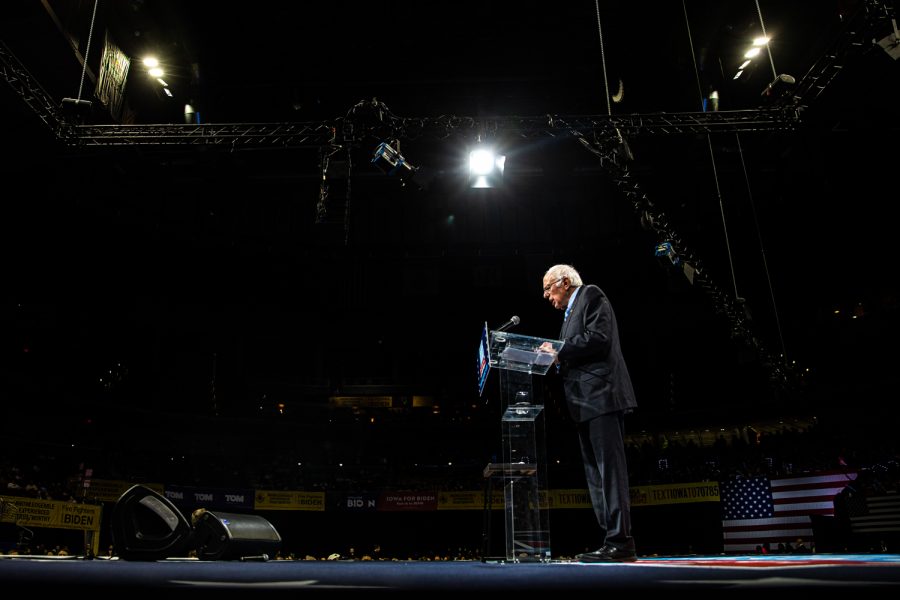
<point>192,498</point>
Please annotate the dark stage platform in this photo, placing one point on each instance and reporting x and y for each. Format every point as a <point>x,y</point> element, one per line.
<point>698,574</point>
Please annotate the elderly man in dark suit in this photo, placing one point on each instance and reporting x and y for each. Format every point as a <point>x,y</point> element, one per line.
<point>598,394</point>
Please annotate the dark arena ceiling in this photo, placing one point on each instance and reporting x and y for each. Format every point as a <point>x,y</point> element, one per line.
<point>196,265</point>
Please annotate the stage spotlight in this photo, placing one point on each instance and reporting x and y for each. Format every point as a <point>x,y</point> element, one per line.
<point>485,168</point>
<point>891,44</point>
<point>779,88</point>
<point>191,116</point>
<point>77,112</point>
<point>392,163</point>
<point>666,254</point>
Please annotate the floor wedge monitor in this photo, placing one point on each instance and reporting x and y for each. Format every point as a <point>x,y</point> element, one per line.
<point>146,526</point>
<point>230,536</point>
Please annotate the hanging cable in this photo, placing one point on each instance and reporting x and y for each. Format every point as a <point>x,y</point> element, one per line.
<point>762,25</point>
<point>712,159</point>
<point>762,248</point>
<point>325,154</point>
<point>212,384</point>
<point>87,50</point>
<point>603,59</point>
<point>347,197</point>
<point>691,44</point>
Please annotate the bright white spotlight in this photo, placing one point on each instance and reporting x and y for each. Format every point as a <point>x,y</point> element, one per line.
<point>485,168</point>
<point>481,162</point>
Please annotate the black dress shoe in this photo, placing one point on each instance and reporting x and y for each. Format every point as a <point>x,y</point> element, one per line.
<point>608,554</point>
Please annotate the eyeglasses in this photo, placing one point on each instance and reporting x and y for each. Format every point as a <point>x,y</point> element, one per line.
<point>550,285</point>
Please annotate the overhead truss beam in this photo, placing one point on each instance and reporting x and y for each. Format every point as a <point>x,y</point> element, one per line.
<point>315,134</point>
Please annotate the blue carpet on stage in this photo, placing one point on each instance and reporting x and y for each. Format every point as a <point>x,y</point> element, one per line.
<point>714,574</point>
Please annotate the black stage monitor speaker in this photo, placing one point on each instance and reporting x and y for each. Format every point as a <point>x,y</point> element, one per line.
<point>146,526</point>
<point>228,536</point>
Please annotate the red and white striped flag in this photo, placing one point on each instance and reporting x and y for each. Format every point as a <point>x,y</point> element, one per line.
<point>756,511</point>
<point>875,514</point>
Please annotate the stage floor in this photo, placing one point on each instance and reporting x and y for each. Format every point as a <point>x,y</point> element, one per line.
<point>715,574</point>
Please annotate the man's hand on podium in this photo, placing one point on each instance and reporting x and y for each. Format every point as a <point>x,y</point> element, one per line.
<point>548,348</point>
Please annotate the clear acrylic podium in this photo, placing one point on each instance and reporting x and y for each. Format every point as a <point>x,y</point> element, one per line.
<point>524,467</point>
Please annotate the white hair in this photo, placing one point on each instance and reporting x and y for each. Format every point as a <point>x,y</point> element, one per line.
<point>568,271</point>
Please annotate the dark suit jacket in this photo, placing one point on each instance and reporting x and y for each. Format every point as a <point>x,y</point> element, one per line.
<point>595,378</point>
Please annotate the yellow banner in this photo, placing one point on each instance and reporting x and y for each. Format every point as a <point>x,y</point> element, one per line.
<point>468,500</point>
<point>676,493</point>
<point>30,512</point>
<point>110,490</point>
<point>570,499</point>
<point>474,500</point>
<point>366,401</point>
<point>289,500</point>
<point>648,495</point>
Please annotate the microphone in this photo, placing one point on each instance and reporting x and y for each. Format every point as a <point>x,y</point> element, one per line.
<point>513,321</point>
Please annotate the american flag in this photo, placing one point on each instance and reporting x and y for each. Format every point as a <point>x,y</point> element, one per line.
<point>757,510</point>
<point>876,514</point>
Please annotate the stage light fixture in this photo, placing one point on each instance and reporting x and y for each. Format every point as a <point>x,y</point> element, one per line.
<point>392,163</point>
<point>485,168</point>
<point>891,43</point>
<point>191,115</point>
<point>666,254</point>
<point>76,111</point>
<point>779,88</point>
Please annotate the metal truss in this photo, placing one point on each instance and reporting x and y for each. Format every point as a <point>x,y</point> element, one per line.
<point>31,92</point>
<point>872,20</point>
<point>226,135</point>
<point>777,119</point>
<point>365,118</point>
<point>378,120</point>
<point>615,157</point>
<point>315,134</point>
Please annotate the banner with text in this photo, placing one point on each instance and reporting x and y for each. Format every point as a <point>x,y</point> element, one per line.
<point>468,500</point>
<point>407,501</point>
<point>289,500</point>
<point>577,498</point>
<point>110,490</point>
<point>358,502</point>
<point>31,512</point>
<point>191,498</point>
<point>675,493</point>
